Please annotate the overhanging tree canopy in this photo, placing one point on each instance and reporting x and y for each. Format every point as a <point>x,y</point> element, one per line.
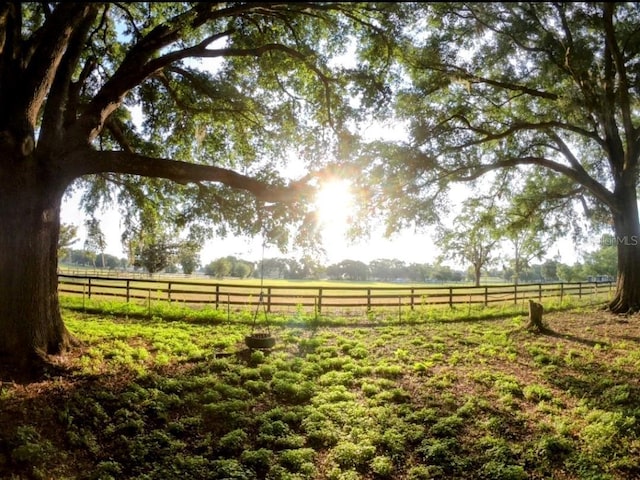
<point>502,91</point>
<point>227,94</point>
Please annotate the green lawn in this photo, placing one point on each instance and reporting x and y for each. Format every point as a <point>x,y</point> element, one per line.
<point>158,399</point>
<point>337,298</point>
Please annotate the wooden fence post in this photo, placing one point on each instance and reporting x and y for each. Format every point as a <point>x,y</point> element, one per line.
<point>128,285</point>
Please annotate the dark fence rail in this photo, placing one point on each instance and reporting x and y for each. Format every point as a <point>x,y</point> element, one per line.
<point>321,298</point>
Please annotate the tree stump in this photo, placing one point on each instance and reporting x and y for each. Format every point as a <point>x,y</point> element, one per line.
<point>535,324</point>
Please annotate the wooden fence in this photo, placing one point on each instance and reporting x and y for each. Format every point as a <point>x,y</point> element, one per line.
<point>321,298</point>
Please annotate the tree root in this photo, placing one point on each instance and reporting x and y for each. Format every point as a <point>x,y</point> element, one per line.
<point>38,364</point>
<point>30,369</point>
<point>621,307</point>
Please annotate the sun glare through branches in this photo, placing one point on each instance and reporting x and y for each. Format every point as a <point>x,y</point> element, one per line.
<point>334,204</point>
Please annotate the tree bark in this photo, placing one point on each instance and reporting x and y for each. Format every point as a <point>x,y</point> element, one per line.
<point>31,325</point>
<point>535,318</point>
<point>627,239</point>
<point>477,273</point>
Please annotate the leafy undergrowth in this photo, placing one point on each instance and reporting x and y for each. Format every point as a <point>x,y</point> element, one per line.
<point>147,399</point>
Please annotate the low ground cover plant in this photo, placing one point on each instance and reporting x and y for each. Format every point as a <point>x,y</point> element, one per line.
<point>147,398</point>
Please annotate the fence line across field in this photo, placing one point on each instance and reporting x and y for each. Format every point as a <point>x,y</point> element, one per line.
<point>321,298</point>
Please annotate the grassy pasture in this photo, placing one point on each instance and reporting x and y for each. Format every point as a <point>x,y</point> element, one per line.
<point>337,297</point>
<point>297,316</point>
<point>448,398</point>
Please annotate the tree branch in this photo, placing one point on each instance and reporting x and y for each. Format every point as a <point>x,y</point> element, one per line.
<point>39,74</point>
<point>200,51</point>
<point>244,113</point>
<point>515,127</point>
<point>110,96</point>
<point>518,39</point>
<point>568,154</point>
<point>460,72</point>
<point>62,98</point>
<point>10,50</point>
<point>132,22</point>
<point>94,162</point>
<point>9,27</point>
<point>137,65</point>
<point>631,159</point>
<point>596,189</point>
<point>115,127</point>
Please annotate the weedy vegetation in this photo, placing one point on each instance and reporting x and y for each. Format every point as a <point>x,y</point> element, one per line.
<point>159,397</point>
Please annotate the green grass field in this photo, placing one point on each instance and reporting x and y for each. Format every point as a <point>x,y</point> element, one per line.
<point>438,398</point>
<point>338,298</point>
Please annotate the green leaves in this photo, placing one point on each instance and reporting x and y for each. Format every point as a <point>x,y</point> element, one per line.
<point>258,89</point>
<point>496,86</point>
<point>473,237</point>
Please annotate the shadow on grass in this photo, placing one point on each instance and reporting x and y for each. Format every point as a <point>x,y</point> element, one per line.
<point>574,338</point>
<point>628,338</point>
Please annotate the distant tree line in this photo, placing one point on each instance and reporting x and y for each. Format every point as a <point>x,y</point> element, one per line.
<point>170,256</point>
<point>154,250</point>
<point>85,258</point>
<point>601,262</point>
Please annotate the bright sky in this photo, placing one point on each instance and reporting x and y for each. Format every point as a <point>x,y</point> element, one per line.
<point>333,205</point>
<point>334,210</point>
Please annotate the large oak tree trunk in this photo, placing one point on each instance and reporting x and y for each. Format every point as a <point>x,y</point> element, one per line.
<point>30,322</point>
<point>627,238</point>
